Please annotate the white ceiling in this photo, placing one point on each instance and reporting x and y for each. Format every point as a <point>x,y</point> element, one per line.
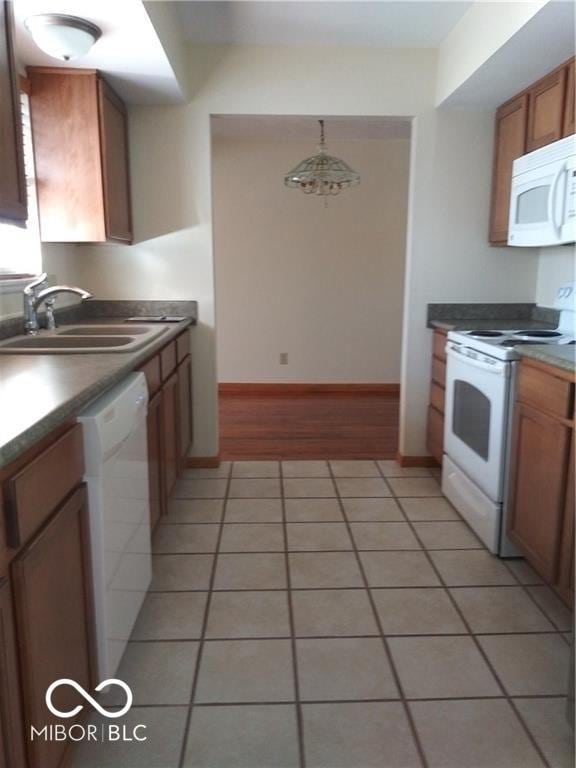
<point>297,128</point>
<point>129,51</point>
<point>379,23</point>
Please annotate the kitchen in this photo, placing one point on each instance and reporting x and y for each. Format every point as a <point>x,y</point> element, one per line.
<point>242,657</point>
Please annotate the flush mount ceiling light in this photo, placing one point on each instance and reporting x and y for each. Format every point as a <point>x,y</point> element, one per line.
<point>61,36</point>
<point>322,174</point>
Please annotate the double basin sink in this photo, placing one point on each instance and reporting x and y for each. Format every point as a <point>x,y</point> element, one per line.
<point>72,339</point>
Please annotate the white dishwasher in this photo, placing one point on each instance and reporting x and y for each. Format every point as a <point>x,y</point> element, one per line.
<point>115,447</point>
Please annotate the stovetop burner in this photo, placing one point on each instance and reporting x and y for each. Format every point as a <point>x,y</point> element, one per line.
<point>486,334</point>
<point>538,334</point>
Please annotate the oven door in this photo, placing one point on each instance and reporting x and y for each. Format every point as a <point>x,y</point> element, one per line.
<point>540,204</point>
<point>475,426</point>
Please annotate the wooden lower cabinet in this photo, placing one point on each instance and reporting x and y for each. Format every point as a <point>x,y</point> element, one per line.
<point>169,379</point>
<point>52,587</point>
<point>538,482</point>
<point>11,732</point>
<point>541,500</point>
<point>184,373</point>
<point>154,428</point>
<point>565,579</point>
<point>170,464</point>
<point>435,424</point>
<point>435,433</point>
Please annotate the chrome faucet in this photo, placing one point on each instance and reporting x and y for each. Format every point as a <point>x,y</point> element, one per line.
<point>33,298</point>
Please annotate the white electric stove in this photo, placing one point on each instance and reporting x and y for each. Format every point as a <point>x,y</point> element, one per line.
<point>480,395</point>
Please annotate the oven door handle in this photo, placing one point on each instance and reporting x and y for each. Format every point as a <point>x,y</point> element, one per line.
<point>499,368</point>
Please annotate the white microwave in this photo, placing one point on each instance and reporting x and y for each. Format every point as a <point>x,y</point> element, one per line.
<point>543,196</point>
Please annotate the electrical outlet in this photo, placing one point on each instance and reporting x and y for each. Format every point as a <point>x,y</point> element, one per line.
<point>283,358</point>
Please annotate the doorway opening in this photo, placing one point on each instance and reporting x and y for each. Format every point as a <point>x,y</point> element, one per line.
<point>309,291</point>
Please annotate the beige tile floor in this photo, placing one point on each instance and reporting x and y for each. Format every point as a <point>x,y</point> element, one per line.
<point>338,615</point>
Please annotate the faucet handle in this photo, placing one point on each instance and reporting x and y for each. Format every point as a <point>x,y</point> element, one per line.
<point>50,319</point>
<point>36,283</point>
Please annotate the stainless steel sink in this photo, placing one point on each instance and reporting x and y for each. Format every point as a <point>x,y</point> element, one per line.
<point>67,342</point>
<point>84,338</point>
<point>103,330</point>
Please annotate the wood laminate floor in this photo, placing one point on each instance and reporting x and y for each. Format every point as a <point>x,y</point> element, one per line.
<point>309,426</point>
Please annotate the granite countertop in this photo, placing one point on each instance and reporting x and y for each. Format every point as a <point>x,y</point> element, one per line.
<point>492,316</point>
<point>38,392</point>
<point>559,355</point>
<point>490,325</point>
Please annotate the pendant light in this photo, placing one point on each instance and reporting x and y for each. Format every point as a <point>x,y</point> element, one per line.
<point>61,36</point>
<point>322,174</point>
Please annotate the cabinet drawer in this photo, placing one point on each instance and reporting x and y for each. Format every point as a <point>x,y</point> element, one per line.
<point>38,489</point>
<point>439,345</point>
<point>544,391</point>
<point>168,360</point>
<point>151,370</point>
<point>439,371</point>
<point>435,433</point>
<point>183,346</point>
<point>437,395</point>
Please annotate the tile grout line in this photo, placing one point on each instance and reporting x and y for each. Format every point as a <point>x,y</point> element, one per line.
<point>387,651</point>
<point>299,711</point>
<point>474,639</point>
<point>186,733</point>
<point>536,603</point>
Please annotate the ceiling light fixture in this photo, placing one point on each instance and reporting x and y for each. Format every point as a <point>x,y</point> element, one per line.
<point>61,36</point>
<point>322,174</point>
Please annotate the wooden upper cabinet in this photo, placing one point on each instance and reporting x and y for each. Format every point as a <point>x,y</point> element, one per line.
<point>114,141</point>
<point>569,126</point>
<point>546,110</point>
<point>12,179</point>
<point>81,155</point>
<point>509,143</point>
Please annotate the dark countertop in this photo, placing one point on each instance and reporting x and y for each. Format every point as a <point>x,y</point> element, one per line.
<point>490,325</point>
<point>493,316</point>
<point>38,392</point>
<point>559,355</point>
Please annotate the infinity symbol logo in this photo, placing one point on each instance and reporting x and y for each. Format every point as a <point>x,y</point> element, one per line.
<point>89,699</point>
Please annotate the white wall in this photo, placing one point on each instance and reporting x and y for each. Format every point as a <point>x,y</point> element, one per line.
<point>555,267</point>
<point>484,29</point>
<point>324,284</point>
<point>61,264</point>
<point>448,254</point>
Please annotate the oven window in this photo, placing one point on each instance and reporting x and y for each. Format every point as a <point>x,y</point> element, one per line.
<point>532,205</point>
<point>471,417</point>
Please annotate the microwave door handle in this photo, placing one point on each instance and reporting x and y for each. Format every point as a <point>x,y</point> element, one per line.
<point>552,199</point>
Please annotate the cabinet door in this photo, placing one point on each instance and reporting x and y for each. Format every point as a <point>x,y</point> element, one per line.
<point>53,599</point>
<point>546,110</point>
<point>12,179</point>
<point>509,143</point>
<point>539,463</point>
<point>565,584</point>
<point>11,720</point>
<point>184,408</point>
<point>569,102</point>
<point>170,433</point>
<point>114,148</point>
<point>154,424</point>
